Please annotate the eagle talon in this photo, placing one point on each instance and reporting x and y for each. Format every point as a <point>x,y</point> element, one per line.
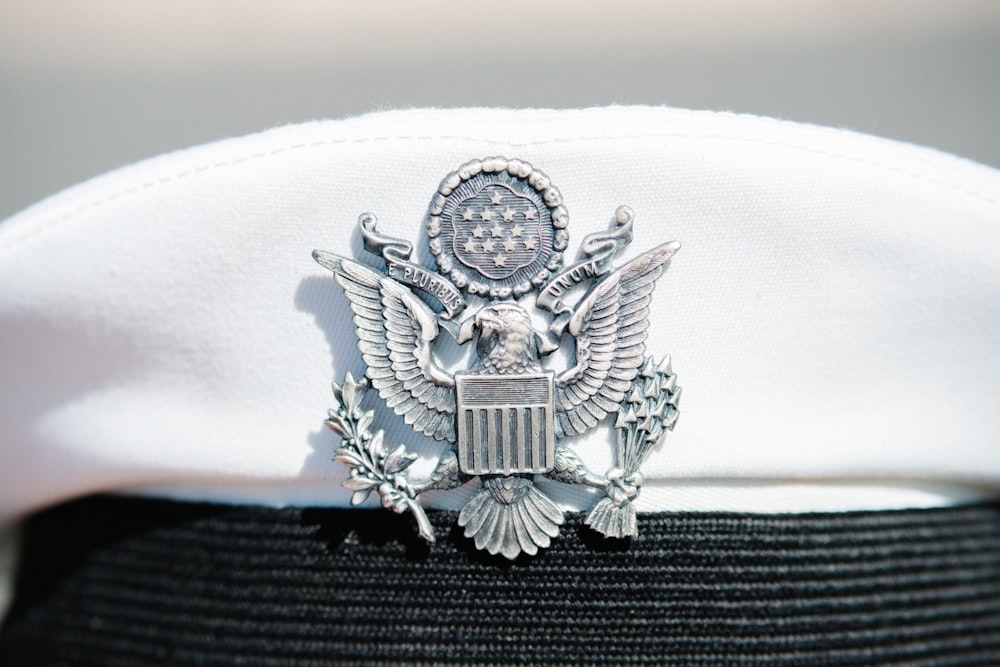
<point>623,488</point>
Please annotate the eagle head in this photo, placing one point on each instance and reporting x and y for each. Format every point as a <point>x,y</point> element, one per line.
<point>506,340</point>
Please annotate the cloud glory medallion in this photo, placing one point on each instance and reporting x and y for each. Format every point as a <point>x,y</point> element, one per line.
<point>497,229</point>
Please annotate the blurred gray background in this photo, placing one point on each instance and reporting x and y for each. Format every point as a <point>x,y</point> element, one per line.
<point>89,86</point>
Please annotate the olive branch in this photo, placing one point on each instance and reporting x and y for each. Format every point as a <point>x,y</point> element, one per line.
<point>372,467</point>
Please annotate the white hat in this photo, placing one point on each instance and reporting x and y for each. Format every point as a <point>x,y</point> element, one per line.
<point>832,313</point>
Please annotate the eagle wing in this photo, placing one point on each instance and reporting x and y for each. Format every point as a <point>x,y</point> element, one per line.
<point>610,325</point>
<point>395,331</point>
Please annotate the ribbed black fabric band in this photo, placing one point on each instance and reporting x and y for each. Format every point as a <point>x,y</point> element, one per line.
<point>111,581</point>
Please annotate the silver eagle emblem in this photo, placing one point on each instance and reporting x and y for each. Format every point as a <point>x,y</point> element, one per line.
<point>497,229</point>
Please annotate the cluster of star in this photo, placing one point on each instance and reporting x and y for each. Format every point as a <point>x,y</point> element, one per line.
<point>494,233</point>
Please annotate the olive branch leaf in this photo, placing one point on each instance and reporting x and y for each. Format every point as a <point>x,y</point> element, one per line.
<point>372,467</point>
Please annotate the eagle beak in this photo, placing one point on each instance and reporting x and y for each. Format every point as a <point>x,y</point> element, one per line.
<point>466,331</point>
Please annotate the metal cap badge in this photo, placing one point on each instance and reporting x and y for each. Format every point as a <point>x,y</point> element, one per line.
<point>497,229</point>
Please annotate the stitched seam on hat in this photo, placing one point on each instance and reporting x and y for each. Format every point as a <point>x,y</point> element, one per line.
<point>97,203</point>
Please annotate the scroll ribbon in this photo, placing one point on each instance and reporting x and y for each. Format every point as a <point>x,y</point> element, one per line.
<point>599,248</point>
<point>396,253</point>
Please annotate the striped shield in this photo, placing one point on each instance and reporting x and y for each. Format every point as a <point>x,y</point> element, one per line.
<point>505,423</point>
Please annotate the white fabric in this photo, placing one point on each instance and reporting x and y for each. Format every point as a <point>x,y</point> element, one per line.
<point>833,314</point>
